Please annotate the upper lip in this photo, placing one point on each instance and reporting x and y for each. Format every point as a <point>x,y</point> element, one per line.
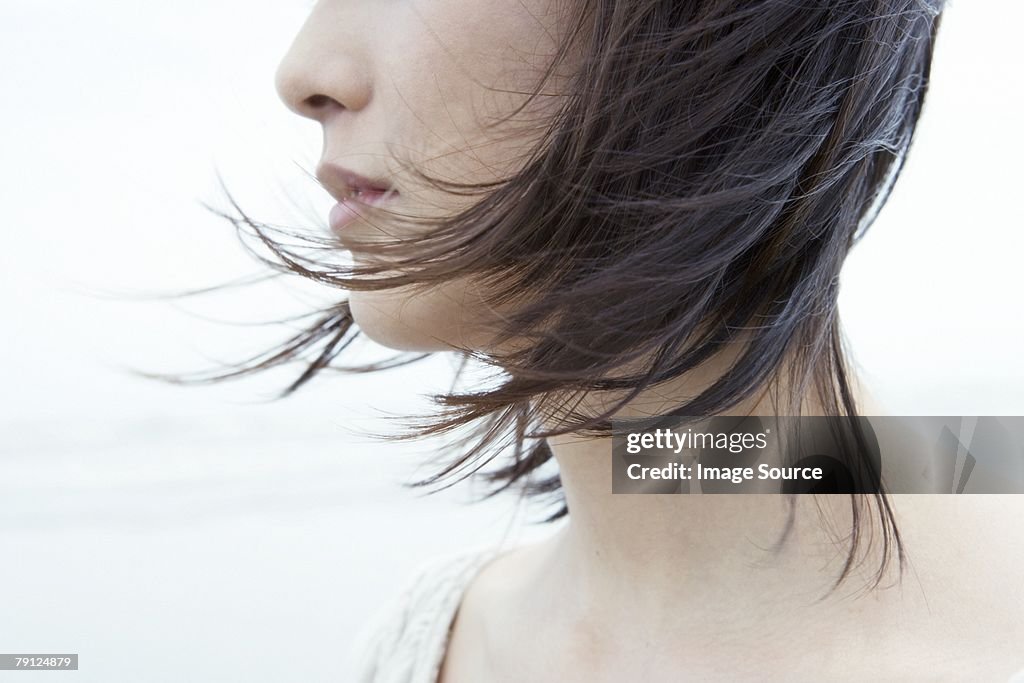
<point>342,183</point>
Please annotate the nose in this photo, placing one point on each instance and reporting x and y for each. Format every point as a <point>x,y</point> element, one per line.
<point>325,70</point>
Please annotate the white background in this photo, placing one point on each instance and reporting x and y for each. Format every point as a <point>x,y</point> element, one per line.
<point>204,533</point>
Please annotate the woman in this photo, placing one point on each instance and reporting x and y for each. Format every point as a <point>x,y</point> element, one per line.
<point>628,209</point>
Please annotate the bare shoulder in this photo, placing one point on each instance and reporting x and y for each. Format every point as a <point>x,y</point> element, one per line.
<point>499,583</point>
<point>490,593</point>
<point>958,613</point>
<point>960,596</point>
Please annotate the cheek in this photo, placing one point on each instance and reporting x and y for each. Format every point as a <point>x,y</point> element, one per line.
<point>451,66</point>
<point>434,320</point>
<point>461,66</point>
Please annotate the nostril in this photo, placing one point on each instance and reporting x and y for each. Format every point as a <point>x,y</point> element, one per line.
<point>318,101</point>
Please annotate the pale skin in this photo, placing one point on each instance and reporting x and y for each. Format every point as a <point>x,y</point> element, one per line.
<point>656,588</point>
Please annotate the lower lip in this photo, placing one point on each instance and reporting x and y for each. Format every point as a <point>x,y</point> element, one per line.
<point>347,211</point>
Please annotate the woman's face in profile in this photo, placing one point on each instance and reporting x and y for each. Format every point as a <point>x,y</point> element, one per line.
<point>420,78</point>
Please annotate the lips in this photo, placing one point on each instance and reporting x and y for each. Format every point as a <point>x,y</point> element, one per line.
<point>348,210</point>
<point>343,183</point>
<point>354,193</point>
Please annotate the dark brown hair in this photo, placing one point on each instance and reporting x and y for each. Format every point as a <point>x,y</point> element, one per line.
<point>700,181</point>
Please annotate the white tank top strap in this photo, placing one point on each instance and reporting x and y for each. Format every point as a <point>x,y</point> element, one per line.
<point>406,639</point>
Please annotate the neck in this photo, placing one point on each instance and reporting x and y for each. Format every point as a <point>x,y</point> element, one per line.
<point>722,552</point>
<point>714,545</point>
